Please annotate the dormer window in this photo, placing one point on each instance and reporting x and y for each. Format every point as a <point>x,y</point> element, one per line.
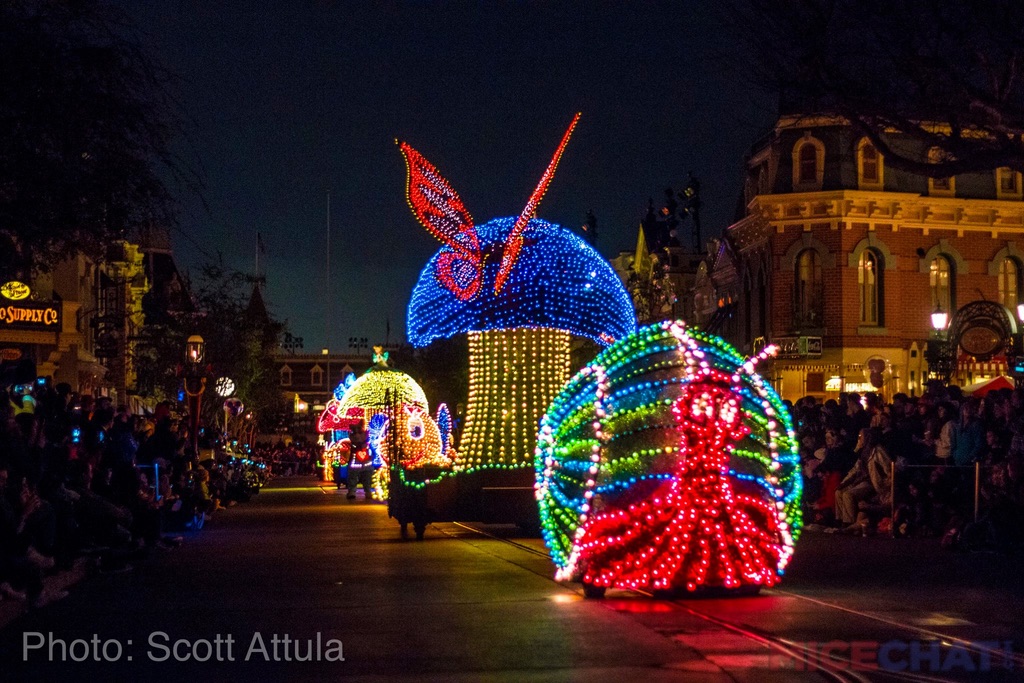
<point>286,376</point>
<point>316,376</point>
<point>1008,184</point>
<point>869,166</point>
<point>943,187</point>
<point>808,164</point>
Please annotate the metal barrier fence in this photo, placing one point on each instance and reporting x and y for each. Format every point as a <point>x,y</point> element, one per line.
<point>892,486</point>
<point>154,483</point>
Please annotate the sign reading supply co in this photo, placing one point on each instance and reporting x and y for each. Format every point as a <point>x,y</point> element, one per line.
<point>798,347</point>
<point>30,315</point>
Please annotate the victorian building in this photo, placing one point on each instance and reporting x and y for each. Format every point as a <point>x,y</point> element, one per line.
<point>79,323</point>
<point>308,380</point>
<point>842,262</point>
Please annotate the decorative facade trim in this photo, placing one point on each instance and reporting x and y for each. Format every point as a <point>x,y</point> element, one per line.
<point>944,248</point>
<point>807,241</point>
<point>1009,251</point>
<point>872,242</point>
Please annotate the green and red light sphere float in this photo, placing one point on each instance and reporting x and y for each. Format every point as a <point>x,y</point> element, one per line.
<point>669,464</point>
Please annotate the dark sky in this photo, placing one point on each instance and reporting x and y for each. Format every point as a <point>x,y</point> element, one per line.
<point>291,100</point>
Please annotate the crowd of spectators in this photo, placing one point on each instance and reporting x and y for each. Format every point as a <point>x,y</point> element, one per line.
<point>910,467</point>
<point>288,459</point>
<point>82,479</point>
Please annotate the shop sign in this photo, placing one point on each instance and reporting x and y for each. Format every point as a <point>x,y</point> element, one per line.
<point>14,290</point>
<point>30,315</point>
<point>798,347</point>
<point>10,354</point>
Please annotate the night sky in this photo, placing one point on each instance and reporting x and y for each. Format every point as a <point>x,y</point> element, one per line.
<point>288,101</point>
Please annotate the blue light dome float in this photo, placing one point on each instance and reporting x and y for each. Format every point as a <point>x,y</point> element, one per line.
<point>520,287</point>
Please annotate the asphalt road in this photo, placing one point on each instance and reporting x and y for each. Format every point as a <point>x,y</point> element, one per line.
<point>334,578</point>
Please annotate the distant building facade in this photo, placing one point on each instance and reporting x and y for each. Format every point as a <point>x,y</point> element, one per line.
<point>659,272</point>
<point>308,380</point>
<point>842,261</point>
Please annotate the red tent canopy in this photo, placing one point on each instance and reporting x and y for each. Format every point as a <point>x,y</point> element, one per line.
<point>982,388</point>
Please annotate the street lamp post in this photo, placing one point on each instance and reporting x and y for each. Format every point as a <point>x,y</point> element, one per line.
<point>195,385</point>
<point>938,346</point>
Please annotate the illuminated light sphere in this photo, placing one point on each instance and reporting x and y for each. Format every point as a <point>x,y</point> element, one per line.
<point>668,463</point>
<point>233,406</point>
<point>374,389</point>
<point>519,287</point>
<point>225,387</point>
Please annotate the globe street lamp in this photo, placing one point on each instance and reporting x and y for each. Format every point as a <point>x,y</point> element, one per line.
<point>195,385</point>
<point>225,387</point>
<point>937,353</point>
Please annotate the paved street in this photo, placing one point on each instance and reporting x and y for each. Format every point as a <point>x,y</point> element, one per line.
<point>301,561</point>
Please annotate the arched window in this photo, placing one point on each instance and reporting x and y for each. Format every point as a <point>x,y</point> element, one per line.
<point>869,165</point>
<point>286,376</point>
<point>808,163</point>
<point>1009,278</point>
<point>316,376</point>
<point>941,280</point>
<point>869,282</point>
<point>808,295</point>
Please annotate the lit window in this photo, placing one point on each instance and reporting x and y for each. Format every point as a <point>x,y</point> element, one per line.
<point>869,280</point>
<point>1008,279</point>
<point>808,289</point>
<point>941,281</point>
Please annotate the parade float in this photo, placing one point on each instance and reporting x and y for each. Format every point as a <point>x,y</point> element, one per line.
<point>520,288</point>
<point>394,409</point>
<point>669,464</point>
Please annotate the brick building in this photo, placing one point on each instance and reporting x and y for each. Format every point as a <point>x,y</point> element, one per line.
<point>842,261</point>
<point>89,342</point>
<point>308,380</point>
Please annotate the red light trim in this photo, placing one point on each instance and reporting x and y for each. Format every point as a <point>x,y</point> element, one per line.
<point>438,207</point>
<point>514,243</point>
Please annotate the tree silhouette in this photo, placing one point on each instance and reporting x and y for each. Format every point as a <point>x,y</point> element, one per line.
<point>946,75</point>
<point>85,128</point>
